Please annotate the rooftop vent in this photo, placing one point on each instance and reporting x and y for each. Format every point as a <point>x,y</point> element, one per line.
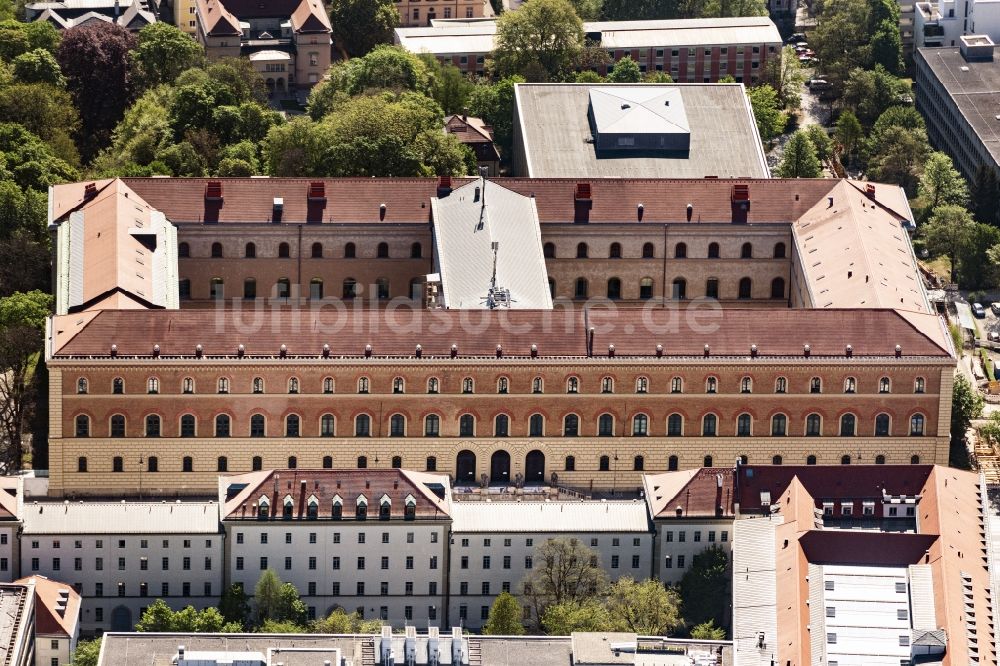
<point>582,191</point>
<point>317,191</point>
<point>89,191</point>
<point>870,191</point>
<point>213,191</point>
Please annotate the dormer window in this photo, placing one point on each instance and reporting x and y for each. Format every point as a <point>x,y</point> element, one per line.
<point>263,508</point>
<point>287,508</point>
<point>410,511</point>
<point>312,508</point>
<point>384,509</point>
<point>361,512</point>
<point>337,509</point>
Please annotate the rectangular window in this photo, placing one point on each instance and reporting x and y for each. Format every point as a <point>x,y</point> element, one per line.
<point>680,561</point>
<point>336,563</point>
<point>614,561</point>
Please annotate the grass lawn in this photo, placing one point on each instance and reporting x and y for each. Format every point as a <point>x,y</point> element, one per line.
<point>941,266</point>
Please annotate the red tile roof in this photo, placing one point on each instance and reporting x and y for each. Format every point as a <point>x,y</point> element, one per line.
<point>703,492</point>
<point>357,200</point>
<point>556,333</point>
<point>48,620</point>
<point>243,491</point>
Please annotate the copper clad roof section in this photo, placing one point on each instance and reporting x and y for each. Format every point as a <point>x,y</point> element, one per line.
<point>557,333</point>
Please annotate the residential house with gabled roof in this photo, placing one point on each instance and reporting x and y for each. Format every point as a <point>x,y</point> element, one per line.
<point>57,619</point>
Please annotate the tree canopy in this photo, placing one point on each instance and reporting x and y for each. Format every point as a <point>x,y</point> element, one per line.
<point>646,608</point>
<point>358,25</point>
<point>159,617</point>
<point>799,159</point>
<point>704,588</point>
<point>505,616</point>
<point>540,41</point>
<point>163,52</point>
<point>566,571</point>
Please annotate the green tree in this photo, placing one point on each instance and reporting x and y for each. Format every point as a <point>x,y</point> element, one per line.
<point>966,404</point>
<point>663,77</point>
<point>785,75</point>
<point>505,617</point>
<point>38,66</point>
<point>540,41</point>
<point>646,608</point>
<point>163,52</point>
<point>159,617</point>
<point>450,87</point>
<point>384,68</point>
<point>494,103</point>
<point>341,622</point>
<point>849,132</point>
<point>565,572</point>
<point>869,93</point>
<point>31,162</point>
<point>42,35</point>
<point>948,232</point>
<point>625,70</point>
<point>841,39</point>
<point>564,618</point>
<point>985,195</point>
<point>897,155</point>
<point>820,140</point>
<point>282,627</point>
<point>707,631</point>
<point>234,605</point>
<point>766,111</point>
<point>588,10</point>
<point>704,588</point>
<point>799,159</point>
<point>277,601</point>
<point>43,110</point>
<point>887,46</point>
<point>358,25</point>
<point>182,159</point>
<point>978,259</point>
<point>86,653</point>
<point>941,184</point>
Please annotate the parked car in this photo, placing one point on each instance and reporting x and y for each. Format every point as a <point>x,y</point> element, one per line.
<point>796,38</point>
<point>818,84</point>
<point>993,336</point>
<point>978,311</point>
<point>995,307</point>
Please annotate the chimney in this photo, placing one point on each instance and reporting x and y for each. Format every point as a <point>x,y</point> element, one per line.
<point>659,351</point>
<point>454,351</point>
<point>315,202</point>
<point>806,350</point>
<point>582,203</point>
<point>317,191</point>
<point>870,191</point>
<point>849,351</point>
<point>213,191</point>
<point>444,187</point>
<point>740,203</point>
<point>89,191</point>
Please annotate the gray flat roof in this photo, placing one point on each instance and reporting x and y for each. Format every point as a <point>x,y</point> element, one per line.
<point>975,88</point>
<point>556,133</point>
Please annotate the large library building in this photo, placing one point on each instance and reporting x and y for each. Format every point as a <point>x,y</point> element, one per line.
<point>566,332</point>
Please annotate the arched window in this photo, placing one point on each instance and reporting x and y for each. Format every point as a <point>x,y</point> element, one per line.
<point>712,385</point>
<point>83,426</point>
<point>675,425</point>
<point>349,251</point>
<point>187,464</point>
<point>648,251</point>
<point>745,288</point>
<point>641,384</point>
<point>187,385</point>
<point>744,425</point>
<point>780,385</point>
<point>382,288</point>
<point>118,425</point>
<point>778,287</point>
<point>398,385</point>
<point>217,289</point>
<point>810,460</point>
<point>222,423</point>
<point>882,425</point>
<point>640,425</point>
<point>152,385</point>
<point>81,464</point>
<point>676,385</point>
<point>746,385</point>
<point>327,425</point>
<point>845,460</point>
<point>328,385</point>
<point>396,462</point>
<point>293,384</point>
<point>216,250</point>
<point>581,251</point>
<point>672,463</point>
<point>646,288</point>
<point>250,251</point>
<point>284,251</point>
<point>183,250</point>
<point>570,464</point>
<point>614,288</point>
<point>914,460</point>
<point>397,425</point>
<point>432,425</point>
<point>363,384</point>
<point>222,464</point>
<point>152,464</point>
<point>467,425</point>
<point>468,385</point>
<point>616,251</point>
<point>850,385</point>
<point>678,289</point>
<point>605,425</point>
<point>746,252</point>
<point>918,385</point>
<point>573,385</point>
<point>152,425</point>
<point>815,385</point>
<point>880,459</point>
<point>292,426</point>
<point>580,288</point>
<point>258,384</point>
<point>707,462</point>
<point>223,385</point>
<point>776,460</point>
<point>382,251</point>
<point>117,464</point>
<point>118,386</point>
<point>713,250</point>
<point>431,464</point>
<point>549,251</point>
<point>884,385</point>
<point>350,288</point>
<point>917,425</point>
<point>257,463</point>
<point>779,425</point>
<point>316,288</point>
<point>848,425</point>
<point>571,425</point>
<point>814,425</point>
<point>501,425</point>
<point>537,385</point>
<point>536,425</point>
<point>81,385</point>
<point>188,425</point>
<point>316,251</point>
<point>362,425</point>
<point>638,464</point>
<point>607,385</point>
<point>779,250</point>
<point>433,385</point>
<point>709,426</point>
<point>604,464</point>
<point>681,251</point>
<point>503,384</point>
<point>249,289</point>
